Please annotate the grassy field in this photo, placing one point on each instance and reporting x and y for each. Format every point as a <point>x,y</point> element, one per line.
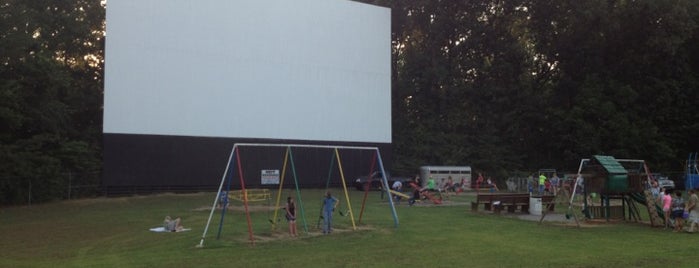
<point>113,232</point>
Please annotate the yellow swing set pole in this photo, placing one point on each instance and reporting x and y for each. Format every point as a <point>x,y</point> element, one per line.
<point>344,186</point>
<point>279,192</point>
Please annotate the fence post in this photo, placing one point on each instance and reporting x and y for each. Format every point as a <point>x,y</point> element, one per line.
<point>30,192</point>
<point>70,179</point>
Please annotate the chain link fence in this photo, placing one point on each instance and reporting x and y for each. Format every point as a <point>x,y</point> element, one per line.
<point>67,185</point>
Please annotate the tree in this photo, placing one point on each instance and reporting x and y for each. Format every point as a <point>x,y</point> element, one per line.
<point>506,85</point>
<point>50,82</point>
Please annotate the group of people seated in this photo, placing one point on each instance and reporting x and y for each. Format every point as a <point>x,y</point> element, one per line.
<point>486,183</point>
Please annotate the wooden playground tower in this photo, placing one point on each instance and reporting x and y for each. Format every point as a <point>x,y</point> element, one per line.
<point>627,180</point>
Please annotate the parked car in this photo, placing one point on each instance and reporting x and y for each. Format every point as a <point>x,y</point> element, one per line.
<point>362,182</point>
<point>664,182</point>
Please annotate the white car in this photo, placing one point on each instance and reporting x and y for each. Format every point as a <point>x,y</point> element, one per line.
<point>664,182</point>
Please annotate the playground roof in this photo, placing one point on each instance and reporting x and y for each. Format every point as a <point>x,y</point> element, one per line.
<point>610,164</point>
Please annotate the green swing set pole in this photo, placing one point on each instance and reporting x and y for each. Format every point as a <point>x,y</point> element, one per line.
<point>385,186</point>
<point>298,191</point>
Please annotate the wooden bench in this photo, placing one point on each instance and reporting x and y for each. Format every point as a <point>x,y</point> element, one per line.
<point>510,201</point>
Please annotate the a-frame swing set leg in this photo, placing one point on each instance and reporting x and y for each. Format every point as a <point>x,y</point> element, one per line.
<point>367,188</point>
<point>327,185</point>
<point>289,162</point>
<point>344,186</point>
<point>567,197</point>
<point>229,173</point>
<point>279,191</point>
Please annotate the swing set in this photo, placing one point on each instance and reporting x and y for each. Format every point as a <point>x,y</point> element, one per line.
<point>234,166</point>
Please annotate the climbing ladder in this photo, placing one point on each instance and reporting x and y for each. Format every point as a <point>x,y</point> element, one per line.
<point>650,202</point>
<point>655,219</point>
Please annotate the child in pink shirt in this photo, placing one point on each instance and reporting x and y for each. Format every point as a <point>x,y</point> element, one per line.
<point>667,200</point>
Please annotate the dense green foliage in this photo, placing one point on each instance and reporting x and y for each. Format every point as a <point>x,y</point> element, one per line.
<point>113,232</point>
<point>50,95</point>
<point>501,85</point>
<point>523,85</point>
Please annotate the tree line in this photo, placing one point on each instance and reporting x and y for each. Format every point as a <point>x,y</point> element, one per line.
<point>526,84</point>
<point>503,86</point>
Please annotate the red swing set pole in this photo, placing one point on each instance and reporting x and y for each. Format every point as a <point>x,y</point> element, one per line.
<point>245,197</point>
<point>366,189</point>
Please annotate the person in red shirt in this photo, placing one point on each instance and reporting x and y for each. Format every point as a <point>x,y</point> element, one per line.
<point>479,181</point>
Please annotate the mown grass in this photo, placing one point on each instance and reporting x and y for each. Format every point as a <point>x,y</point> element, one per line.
<point>113,232</point>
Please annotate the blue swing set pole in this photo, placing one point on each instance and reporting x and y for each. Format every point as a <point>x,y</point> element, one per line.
<point>229,177</point>
<point>216,199</point>
<point>386,188</point>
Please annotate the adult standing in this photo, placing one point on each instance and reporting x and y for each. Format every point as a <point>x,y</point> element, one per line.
<point>693,209</point>
<point>329,205</point>
<point>542,183</point>
<point>555,183</point>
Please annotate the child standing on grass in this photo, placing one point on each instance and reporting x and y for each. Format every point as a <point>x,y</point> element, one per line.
<point>677,211</point>
<point>291,215</point>
<point>666,200</point>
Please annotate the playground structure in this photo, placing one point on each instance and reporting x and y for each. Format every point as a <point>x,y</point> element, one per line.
<point>626,180</point>
<point>426,193</point>
<point>248,195</point>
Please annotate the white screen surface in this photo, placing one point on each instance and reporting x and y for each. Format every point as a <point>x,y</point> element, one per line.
<point>277,69</point>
